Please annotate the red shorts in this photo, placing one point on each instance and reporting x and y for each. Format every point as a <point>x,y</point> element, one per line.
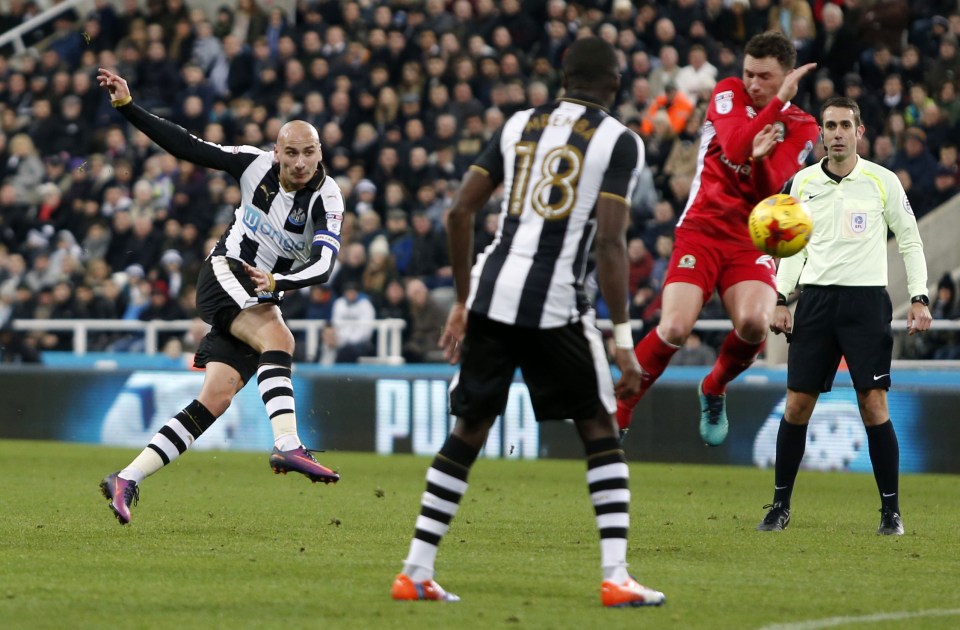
<point>711,263</point>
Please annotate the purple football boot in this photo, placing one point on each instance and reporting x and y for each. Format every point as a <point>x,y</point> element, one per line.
<point>121,493</point>
<point>300,460</point>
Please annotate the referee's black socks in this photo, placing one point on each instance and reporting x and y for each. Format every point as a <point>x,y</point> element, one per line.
<point>791,443</point>
<point>885,457</point>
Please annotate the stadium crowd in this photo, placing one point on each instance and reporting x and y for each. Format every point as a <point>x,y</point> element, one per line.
<point>97,222</point>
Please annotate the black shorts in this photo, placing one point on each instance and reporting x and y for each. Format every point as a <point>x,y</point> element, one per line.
<point>223,290</point>
<point>833,322</point>
<point>565,369</point>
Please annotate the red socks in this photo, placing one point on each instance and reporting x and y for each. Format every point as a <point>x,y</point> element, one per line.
<point>735,356</point>
<point>653,354</point>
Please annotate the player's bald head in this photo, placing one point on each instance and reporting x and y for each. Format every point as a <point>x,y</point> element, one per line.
<point>297,132</point>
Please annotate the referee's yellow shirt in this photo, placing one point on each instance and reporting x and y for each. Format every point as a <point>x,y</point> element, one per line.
<point>850,221</point>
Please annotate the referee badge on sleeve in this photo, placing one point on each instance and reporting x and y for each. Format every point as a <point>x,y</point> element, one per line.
<point>906,205</point>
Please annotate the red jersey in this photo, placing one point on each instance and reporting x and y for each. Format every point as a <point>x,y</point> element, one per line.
<point>728,183</point>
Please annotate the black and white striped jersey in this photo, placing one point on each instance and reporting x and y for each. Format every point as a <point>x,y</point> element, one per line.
<point>295,235</point>
<point>555,162</point>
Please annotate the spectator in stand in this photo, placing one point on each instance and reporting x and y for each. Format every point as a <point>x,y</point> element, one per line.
<point>912,66</point>
<point>945,186</point>
<point>870,112</point>
<point>948,159</point>
<point>329,343</point>
<point>24,168</point>
<point>394,305</point>
<point>380,269</point>
<point>697,79</point>
<point>836,47</point>
<point>946,66</point>
<point>945,346</point>
<point>425,324</point>
<point>369,219</point>
<point>428,257</point>
<point>917,101</point>
<point>935,126</point>
<point>895,127</point>
<point>681,160</point>
<point>674,104</point>
<point>916,160</point>
<point>640,264</point>
<point>823,89</point>
<point>320,303</point>
<point>43,128</point>
<point>350,267</point>
<point>353,316</point>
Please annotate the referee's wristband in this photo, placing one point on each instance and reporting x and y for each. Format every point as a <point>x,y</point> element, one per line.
<point>623,335</point>
<point>781,299</point>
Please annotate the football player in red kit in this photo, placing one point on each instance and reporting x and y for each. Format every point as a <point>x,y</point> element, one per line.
<point>753,141</point>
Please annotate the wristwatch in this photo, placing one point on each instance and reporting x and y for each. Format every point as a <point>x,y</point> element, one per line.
<point>920,298</point>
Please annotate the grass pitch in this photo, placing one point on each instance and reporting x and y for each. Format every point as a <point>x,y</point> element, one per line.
<point>219,541</point>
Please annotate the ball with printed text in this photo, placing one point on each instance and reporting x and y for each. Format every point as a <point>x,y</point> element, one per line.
<point>780,225</point>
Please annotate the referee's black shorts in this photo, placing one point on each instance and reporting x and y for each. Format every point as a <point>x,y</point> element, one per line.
<point>565,370</point>
<point>834,322</point>
<point>223,290</point>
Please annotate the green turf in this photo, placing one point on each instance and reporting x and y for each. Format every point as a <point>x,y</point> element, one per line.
<point>219,541</point>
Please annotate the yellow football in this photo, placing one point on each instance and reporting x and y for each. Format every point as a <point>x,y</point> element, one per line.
<point>780,225</point>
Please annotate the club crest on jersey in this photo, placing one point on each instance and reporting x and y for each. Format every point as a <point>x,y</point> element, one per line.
<point>781,130</point>
<point>858,222</point>
<point>687,261</point>
<point>297,216</point>
<point>724,102</point>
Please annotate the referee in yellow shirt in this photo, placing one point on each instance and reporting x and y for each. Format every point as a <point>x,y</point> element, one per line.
<point>844,309</point>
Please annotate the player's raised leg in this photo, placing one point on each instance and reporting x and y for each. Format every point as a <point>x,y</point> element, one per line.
<point>750,305</point>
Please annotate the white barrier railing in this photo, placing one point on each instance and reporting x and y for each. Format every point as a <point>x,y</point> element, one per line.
<point>899,325</point>
<point>15,35</point>
<point>389,332</point>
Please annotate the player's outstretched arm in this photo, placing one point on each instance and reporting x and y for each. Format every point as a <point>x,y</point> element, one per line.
<point>115,85</point>
<point>173,138</point>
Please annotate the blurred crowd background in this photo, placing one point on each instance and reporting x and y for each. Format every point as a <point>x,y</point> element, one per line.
<point>97,222</point>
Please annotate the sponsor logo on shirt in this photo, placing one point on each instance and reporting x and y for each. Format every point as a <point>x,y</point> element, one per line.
<point>743,169</point>
<point>724,102</point>
<point>253,219</point>
<point>687,261</point>
<point>767,260</point>
<point>751,112</point>
<point>802,158</point>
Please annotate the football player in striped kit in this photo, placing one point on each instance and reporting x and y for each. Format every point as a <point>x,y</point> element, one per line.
<point>285,234</point>
<point>568,168</point>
